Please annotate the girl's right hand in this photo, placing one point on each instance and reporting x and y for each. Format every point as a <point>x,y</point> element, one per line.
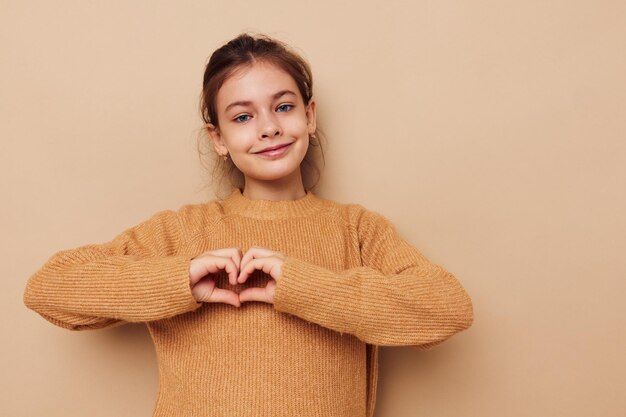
<point>211,262</point>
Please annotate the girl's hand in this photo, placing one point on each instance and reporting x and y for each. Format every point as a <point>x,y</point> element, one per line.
<point>268,261</point>
<point>211,262</point>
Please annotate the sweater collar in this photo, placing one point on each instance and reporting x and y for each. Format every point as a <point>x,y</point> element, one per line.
<point>237,203</point>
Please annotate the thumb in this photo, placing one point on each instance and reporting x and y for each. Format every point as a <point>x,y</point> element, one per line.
<point>205,291</point>
<point>265,295</point>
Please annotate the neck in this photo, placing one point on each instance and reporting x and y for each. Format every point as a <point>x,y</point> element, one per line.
<point>288,188</point>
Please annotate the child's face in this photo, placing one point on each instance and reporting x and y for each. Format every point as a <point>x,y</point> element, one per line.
<point>273,115</point>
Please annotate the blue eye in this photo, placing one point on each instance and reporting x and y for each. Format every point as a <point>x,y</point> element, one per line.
<point>286,107</point>
<point>239,119</point>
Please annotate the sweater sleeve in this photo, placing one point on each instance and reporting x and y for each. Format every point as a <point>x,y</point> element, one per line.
<point>396,297</point>
<point>136,277</point>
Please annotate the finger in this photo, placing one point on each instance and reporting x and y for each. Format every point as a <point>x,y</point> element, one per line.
<point>210,264</point>
<point>253,253</point>
<point>265,295</point>
<point>205,291</point>
<point>233,253</point>
<point>261,252</point>
<point>248,269</point>
<point>270,265</point>
<point>202,290</point>
<point>231,269</point>
<point>220,295</point>
<point>228,266</point>
<point>237,255</point>
<point>253,294</point>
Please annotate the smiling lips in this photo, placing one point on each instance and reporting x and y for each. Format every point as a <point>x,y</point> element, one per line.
<point>277,150</point>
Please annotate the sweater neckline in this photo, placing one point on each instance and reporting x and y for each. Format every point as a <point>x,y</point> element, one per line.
<point>237,203</point>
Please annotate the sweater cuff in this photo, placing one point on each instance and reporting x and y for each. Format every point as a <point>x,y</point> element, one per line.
<point>168,293</point>
<point>318,295</point>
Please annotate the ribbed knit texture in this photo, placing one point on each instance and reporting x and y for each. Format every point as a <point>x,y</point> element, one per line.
<point>349,284</point>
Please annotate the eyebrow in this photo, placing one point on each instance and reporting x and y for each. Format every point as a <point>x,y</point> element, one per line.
<point>247,103</point>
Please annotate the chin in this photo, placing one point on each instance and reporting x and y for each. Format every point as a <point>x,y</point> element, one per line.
<point>276,174</point>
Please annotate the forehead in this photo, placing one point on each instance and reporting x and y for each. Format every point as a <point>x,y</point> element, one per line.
<point>256,83</point>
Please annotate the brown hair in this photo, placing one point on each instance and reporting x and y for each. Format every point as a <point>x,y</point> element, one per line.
<point>243,51</point>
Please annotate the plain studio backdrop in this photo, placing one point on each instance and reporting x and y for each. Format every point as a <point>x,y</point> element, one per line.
<point>492,133</point>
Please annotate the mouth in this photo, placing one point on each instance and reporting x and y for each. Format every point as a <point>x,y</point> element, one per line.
<point>277,150</point>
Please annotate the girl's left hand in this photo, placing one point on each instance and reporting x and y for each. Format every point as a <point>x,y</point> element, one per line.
<point>267,260</point>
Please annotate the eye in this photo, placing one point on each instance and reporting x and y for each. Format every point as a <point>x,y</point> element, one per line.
<point>284,107</point>
<point>242,118</point>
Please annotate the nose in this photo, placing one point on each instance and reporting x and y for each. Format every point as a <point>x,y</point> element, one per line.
<point>270,127</point>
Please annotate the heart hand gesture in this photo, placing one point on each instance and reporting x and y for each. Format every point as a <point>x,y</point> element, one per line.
<point>238,268</point>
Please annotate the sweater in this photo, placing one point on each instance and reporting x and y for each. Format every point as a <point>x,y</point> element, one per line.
<point>349,284</point>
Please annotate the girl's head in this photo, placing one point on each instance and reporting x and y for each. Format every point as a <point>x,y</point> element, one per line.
<point>258,94</point>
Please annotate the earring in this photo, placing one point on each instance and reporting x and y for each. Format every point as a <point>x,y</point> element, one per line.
<point>225,156</point>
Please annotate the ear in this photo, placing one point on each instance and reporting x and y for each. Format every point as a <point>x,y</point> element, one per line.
<point>311,116</point>
<point>216,137</point>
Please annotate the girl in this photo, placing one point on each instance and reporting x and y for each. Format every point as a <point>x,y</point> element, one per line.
<point>272,301</point>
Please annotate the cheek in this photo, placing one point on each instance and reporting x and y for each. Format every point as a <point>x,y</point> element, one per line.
<point>297,125</point>
<point>239,139</point>
<point>302,146</point>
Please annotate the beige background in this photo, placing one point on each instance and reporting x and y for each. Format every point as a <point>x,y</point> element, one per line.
<point>492,133</point>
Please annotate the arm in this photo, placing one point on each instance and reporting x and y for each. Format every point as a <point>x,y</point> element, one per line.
<point>136,277</point>
<point>397,297</point>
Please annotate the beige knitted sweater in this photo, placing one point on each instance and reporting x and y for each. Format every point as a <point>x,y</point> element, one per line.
<point>349,283</point>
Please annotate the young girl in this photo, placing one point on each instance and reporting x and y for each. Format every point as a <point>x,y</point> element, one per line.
<point>272,301</point>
